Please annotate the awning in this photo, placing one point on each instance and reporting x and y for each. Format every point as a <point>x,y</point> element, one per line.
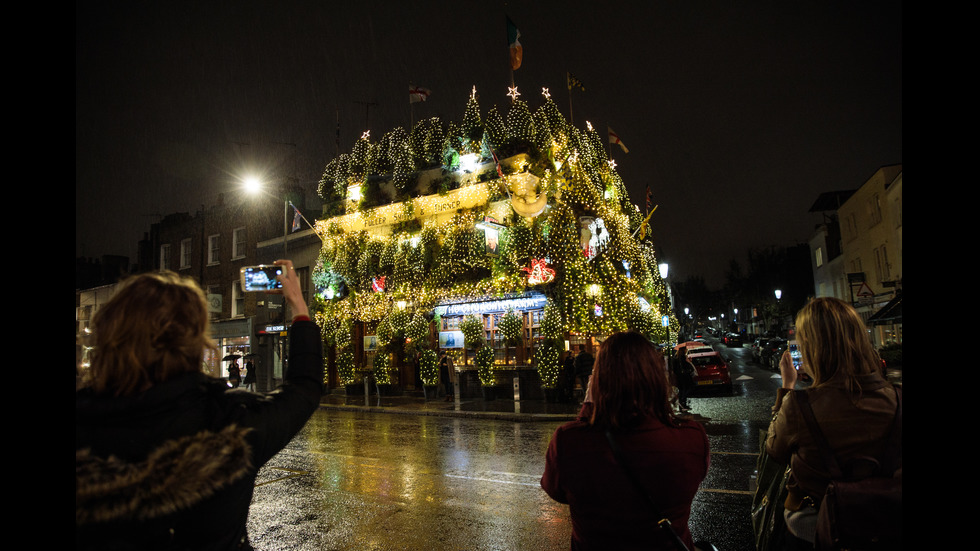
<point>890,313</point>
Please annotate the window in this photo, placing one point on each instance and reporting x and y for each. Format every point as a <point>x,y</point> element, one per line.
<point>185,253</point>
<point>165,257</point>
<point>874,210</point>
<point>238,300</point>
<point>818,256</point>
<point>213,249</point>
<point>238,242</point>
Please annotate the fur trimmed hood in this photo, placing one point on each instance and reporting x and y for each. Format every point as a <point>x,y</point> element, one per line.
<point>175,476</point>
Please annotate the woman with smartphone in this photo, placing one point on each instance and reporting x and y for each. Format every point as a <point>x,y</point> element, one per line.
<point>165,455</point>
<point>853,404</point>
<point>627,405</point>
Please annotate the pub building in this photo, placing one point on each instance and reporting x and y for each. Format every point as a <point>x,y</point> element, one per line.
<point>502,244</point>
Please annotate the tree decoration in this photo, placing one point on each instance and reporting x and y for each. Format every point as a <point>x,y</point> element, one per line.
<point>382,368</point>
<point>472,329</point>
<point>429,368</point>
<point>511,326</point>
<point>484,366</point>
<point>546,359</point>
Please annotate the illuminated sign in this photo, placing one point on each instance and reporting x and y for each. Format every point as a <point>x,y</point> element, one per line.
<point>530,302</point>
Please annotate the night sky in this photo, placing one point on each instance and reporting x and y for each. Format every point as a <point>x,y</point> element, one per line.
<point>736,114</point>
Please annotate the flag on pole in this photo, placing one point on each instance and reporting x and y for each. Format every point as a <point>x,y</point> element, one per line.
<point>417,93</point>
<point>297,217</point>
<point>513,42</point>
<point>614,138</point>
<point>574,82</point>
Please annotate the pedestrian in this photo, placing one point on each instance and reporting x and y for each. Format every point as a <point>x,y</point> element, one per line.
<point>249,380</point>
<point>628,396</point>
<point>583,367</point>
<point>852,403</point>
<point>683,371</point>
<point>568,377</point>
<point>234,374</point>
<point>166,457</point>
<point>447,373</point>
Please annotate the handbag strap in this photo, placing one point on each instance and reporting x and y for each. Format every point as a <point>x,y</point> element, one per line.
<point>664,522</point>
<point>893,448</point>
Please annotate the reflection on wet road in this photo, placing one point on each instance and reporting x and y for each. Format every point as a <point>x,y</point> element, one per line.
<point>361,480</point>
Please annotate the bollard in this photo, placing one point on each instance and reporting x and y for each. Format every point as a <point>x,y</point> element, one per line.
<point>367,392</point>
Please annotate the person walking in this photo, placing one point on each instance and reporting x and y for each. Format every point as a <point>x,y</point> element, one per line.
<point>852,403</point>
<point>447,373</point>
<point>166,456</point>
<point>568,377</point>
<point>684,377</point>
<point>583,367</point>
<point>627,402</point>
<point>234,374</point>
<point>249,380</point>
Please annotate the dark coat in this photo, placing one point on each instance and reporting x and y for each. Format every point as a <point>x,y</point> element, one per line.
<point>583,364</point>
<point>183,456</point>
<point>607,511</point>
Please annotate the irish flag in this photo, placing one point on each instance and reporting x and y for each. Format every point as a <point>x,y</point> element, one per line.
<point>513,42</point>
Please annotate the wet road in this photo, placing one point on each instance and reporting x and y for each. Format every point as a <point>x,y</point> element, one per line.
<point>376,481</point>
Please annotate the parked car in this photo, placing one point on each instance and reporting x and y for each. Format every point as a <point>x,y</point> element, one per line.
<point>773,347</point>
<point>733,339</point>
<point>712,369</point>
<point>776,354</point>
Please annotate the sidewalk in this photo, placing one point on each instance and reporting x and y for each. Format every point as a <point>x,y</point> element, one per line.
<point>416,404</point>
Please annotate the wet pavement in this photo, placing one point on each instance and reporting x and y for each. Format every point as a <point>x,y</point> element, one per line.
<point>415,403</point>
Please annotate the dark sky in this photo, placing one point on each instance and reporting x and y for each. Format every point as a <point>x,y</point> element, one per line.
<point>736,114</point>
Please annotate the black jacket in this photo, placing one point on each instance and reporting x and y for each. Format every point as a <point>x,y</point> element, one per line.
<point>174,467</point>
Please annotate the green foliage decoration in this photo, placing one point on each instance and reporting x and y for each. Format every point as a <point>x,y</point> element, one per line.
<point>511,326</point>
<point>428,367</point>
<point>472,329</point>
<point>546,359</point>
<point>484,366</point>
<point>382,368</point>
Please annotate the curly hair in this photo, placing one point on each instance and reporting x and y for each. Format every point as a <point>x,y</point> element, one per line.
<point>154,328</point>
<point>834,342</point>
<point>629,383</point>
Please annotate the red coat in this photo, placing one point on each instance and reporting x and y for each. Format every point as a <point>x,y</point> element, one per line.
<point>607,511</point>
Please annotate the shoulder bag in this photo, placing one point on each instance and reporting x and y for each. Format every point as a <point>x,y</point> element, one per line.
<point>860,513</point>
<point>664,522</point>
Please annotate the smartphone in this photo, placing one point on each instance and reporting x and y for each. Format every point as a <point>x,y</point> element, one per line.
<point>794,353</point>
<point>261,278</point>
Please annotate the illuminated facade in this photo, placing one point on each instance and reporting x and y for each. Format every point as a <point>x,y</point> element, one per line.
<point>501,241</point>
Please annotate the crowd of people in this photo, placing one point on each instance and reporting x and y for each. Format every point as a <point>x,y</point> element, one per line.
<point>167,456</point>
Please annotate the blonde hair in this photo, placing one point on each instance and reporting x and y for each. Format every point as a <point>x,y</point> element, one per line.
<point>834,342</point>
<point>154,328</point>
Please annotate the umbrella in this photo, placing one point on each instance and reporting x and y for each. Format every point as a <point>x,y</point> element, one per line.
<point>230,357</point>
<point>250,355</point>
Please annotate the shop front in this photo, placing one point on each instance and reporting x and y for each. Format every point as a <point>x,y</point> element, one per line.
<point>234,350</point>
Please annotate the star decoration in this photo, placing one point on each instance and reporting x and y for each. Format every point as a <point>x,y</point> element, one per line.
<point>589,124</point>
<point>612,163</point>
<point>513,93</point>
<point>366,135</point>
<point>546,93</point>
<point>473,93</point>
